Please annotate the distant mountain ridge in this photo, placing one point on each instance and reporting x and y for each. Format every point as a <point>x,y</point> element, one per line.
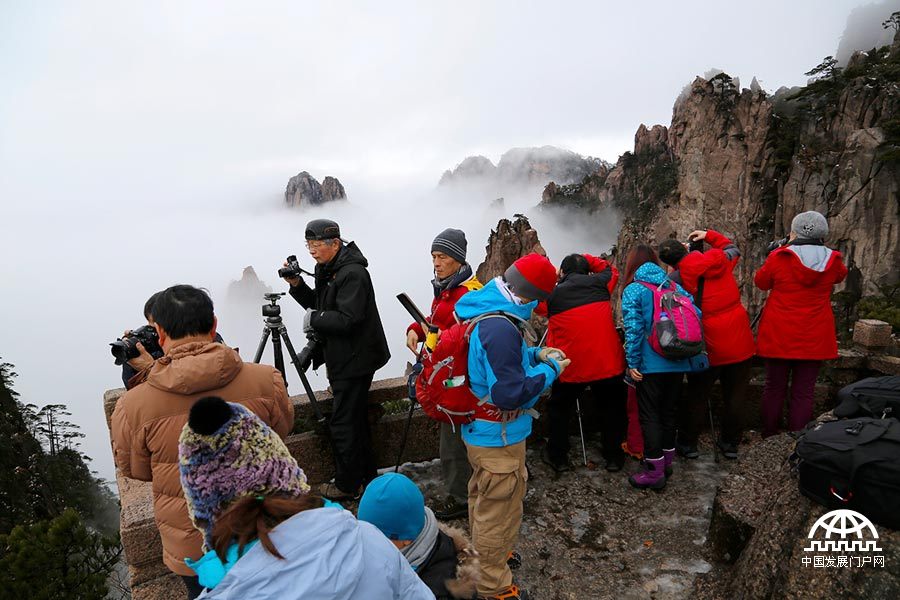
<point>525,167</point>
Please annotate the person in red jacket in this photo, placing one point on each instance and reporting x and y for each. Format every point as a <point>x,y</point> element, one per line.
<point>709,277</point>
<point>453,277</point>
<point>796,330</point>
<point>581,325</point>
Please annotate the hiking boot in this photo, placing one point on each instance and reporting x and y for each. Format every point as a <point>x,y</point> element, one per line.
<point>727,449</point>
<point>558,467</point>
<point>669,458</point>
<point>652,475</point>
<point>511,593</point>
<point>614,465</point>
<point>514,560</point>
<point>450,509</point>
<point>687,450</point>
<point>336,494</point>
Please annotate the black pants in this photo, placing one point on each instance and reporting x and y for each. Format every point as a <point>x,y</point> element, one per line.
<point>609,396</point>
<point>657,400</point>
<point>693,411</point>
<point>192,583</point>
<point>351,440</point>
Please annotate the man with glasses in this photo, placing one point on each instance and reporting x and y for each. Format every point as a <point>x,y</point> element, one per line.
<point>342,315</point>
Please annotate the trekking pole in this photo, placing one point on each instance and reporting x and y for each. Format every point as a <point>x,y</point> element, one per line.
<point>581,429</point>
<point>712,429</point>
<point>411,394</point>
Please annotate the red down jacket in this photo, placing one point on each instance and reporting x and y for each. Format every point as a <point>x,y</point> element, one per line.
<point>797,321</point>
<point>445,301</point>
<point>581,324</point>
<point>726,326</point>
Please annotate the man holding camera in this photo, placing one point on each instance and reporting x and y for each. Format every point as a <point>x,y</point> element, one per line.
<point>148,419</point>
<point>342,321</point>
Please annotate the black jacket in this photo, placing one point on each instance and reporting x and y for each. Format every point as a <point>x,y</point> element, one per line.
<point>439,567</point>
<point>346,317</point>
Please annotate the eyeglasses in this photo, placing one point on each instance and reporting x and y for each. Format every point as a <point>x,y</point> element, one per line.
<point>316,244</point>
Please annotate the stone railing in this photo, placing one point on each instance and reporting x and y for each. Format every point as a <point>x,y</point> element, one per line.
<point>874,352</point>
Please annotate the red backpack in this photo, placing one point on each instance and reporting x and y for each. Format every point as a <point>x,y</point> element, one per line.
<point>442,388</point>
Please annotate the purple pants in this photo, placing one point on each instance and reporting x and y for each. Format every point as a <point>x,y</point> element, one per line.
<point>803,375</point>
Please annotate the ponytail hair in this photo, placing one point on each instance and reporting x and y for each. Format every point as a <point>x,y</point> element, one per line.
<point>253,517</point>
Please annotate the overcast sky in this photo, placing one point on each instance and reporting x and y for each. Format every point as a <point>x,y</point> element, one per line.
<point>144,144</point>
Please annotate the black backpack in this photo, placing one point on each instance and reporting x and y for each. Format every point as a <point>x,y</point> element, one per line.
<point>853,464</point>
<point>875,397</point>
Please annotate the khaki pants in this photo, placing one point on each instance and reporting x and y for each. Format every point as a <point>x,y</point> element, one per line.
<point>496,490</point>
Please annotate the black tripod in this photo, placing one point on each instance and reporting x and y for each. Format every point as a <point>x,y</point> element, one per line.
<point>274,327</point>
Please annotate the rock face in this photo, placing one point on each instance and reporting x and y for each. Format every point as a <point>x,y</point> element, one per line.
<point>509,241</point>
<point>304,190</point>
<point>761,520</point>
<point>745,163</point>
<point>526,167</point>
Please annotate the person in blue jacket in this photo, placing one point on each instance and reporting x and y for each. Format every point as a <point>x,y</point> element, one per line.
<point>264,535</point>
<point>658,379</point>
<point>510,376</point>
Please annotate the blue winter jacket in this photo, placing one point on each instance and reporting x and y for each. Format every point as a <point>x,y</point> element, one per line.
<point>637,313</point>
<point>502,367</point>
<point>328,554</point>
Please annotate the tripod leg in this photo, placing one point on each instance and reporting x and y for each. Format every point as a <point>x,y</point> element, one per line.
<point>279,357</point>
<point>262,344</point>
<point>309,391</point>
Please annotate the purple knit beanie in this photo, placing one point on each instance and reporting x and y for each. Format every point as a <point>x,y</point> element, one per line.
<point>225,453</point>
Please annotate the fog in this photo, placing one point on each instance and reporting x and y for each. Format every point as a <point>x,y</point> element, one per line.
<point>143,145</point>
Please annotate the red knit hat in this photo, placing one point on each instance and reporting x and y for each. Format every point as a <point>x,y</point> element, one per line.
<point>532,276</point>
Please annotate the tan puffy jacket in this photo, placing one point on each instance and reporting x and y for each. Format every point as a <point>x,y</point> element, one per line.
<point>148,420</point>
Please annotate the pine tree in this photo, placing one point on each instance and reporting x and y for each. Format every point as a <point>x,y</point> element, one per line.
<point>57,559</point>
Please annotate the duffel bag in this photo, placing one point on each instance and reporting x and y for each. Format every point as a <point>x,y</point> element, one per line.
<point>870,397</point>
<point>853,464</point>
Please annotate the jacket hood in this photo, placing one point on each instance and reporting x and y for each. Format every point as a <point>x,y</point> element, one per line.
<point>814,261</point>
<point>195,367</point>
<point>650,273</point>
<point>468,573</point>
<point>349,254</point>
<point>491,299</point>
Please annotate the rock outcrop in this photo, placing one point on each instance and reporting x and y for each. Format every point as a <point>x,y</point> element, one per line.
<point>745,163</point>
<point>523,167</point>
<point>248,288</point>
<point>304,190</point>
<point>509,241</point>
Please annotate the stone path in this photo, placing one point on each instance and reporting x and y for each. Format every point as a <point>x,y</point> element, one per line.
<point>588,534</point>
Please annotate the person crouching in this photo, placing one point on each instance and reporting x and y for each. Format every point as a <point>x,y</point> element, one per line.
<point>440,555</point>
<point>264,536</point>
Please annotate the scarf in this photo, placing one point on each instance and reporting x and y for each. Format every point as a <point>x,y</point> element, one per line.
<point>451,281</point>
<point>419,551</point>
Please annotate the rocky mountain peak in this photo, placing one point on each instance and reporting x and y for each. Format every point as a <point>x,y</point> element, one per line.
<point>509,241</point>
<point>304,190</point>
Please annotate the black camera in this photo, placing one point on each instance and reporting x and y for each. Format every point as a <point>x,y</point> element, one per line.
<point>695,245</point>
<point>292,270</point>
<point>125,348</point>
<point>776,244</point>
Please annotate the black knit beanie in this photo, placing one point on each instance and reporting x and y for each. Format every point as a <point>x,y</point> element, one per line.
<point>451,242</point>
